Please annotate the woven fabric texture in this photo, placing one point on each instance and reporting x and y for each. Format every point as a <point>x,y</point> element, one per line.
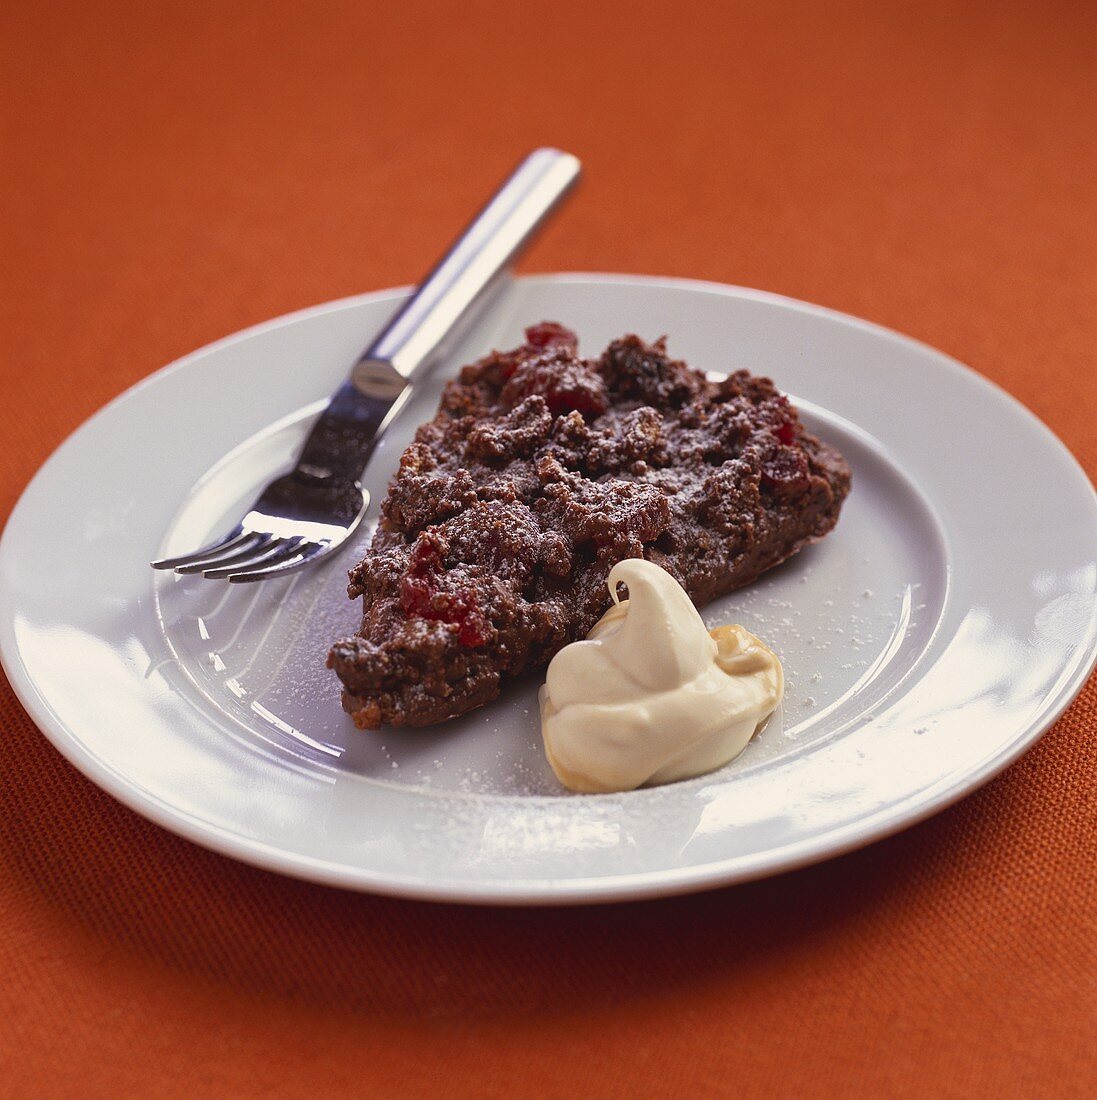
<point>175,172</point>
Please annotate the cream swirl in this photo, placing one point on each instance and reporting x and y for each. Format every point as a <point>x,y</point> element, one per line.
<point>651,696</point>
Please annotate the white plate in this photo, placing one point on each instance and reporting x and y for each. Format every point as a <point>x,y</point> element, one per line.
<point>927,642</point>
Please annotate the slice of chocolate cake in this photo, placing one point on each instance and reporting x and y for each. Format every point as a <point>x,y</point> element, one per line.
<point>539,472</point>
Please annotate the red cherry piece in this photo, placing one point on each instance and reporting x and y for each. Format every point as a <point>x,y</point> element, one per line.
<point>548,334</point>
<point>427,592</point>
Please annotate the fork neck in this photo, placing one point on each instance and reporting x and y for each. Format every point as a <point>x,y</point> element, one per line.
<point>346,432</point>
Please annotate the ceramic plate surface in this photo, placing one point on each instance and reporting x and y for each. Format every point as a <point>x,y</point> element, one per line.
<point>927,642</point>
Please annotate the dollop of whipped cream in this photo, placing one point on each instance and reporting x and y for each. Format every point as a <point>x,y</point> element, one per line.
<point>651,696</point>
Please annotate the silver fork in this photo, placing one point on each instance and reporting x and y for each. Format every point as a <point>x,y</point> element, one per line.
<point>306,514</point>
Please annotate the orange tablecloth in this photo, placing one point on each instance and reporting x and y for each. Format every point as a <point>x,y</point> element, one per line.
<point>174,172</point>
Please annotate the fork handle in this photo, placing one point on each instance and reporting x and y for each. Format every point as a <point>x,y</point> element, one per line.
<point>486,247</point>
<point>380,382</point>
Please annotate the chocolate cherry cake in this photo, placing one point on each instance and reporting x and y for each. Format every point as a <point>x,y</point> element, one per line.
<point>539,472</point>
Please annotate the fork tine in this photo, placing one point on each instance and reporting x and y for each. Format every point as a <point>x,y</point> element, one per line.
<point>305,555</point>
<point>242,549</point>
<point>231,539</point>
<point>272,551</point>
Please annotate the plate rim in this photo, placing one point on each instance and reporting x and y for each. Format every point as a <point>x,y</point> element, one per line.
<point>889,820</point>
